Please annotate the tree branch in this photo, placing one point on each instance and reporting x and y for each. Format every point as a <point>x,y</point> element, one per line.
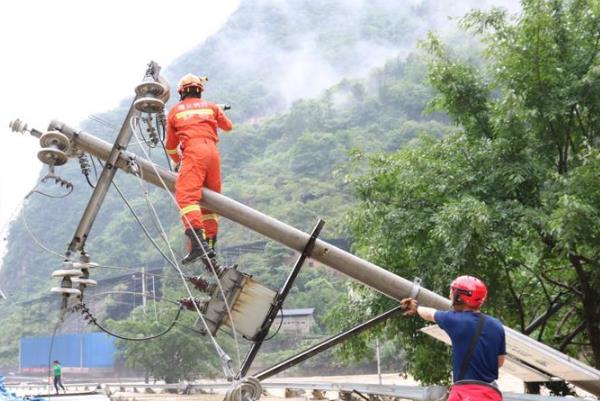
<point>559,284</point>
<point>567,340</point>
<point>563,321</point>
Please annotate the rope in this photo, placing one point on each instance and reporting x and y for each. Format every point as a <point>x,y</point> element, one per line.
<point>154,214</point>
<point>134,124</point>
<point>61,320</point>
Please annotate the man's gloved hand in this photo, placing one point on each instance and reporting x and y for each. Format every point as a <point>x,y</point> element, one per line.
<point>410,306</point>
<point>175,166</point>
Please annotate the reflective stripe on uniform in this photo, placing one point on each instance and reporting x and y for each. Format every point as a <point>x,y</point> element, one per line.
<point>171,151</point>
<point>210,216</point>
<point>189,208</point>
<point>182,115</point>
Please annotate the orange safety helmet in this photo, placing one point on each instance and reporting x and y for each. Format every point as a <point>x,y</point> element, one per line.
<point>468,290</point>
<point>191,81</point>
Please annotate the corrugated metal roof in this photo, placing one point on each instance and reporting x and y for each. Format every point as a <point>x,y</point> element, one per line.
<point>298,312</point>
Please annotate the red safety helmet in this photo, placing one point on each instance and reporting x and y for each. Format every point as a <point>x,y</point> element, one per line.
<point>191,81</point>
<point>468,290</point>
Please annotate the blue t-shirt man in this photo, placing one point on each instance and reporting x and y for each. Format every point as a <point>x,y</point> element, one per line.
<point>468,294</point>
<point>460,327</point>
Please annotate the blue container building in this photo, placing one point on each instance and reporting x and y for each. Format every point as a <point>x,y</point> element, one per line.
<point>81,350</point>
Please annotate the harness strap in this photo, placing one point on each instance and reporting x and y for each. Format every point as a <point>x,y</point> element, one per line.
<point>469,354</point>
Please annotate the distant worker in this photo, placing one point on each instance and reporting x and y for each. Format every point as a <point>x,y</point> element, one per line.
<point>58,377</point>
<point>192,130</point>
<point>478,340</point>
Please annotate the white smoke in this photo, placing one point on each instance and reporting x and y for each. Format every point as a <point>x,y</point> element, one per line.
<point>299,68</point>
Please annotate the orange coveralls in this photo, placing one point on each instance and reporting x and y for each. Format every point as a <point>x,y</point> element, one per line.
<point>192,123</point>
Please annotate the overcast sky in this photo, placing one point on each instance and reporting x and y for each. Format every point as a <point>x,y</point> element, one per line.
<point>66,60</point>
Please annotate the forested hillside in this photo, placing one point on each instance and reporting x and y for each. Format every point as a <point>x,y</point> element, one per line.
<point>311,83</point>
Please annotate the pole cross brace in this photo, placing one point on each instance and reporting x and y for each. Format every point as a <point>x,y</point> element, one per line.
<point>279,299</point>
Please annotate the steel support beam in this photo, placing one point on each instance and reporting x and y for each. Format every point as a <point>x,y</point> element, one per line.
<point>102,185</point>
<point>326,344</point>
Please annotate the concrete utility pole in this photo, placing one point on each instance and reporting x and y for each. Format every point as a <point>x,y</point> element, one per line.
<point>378,357</point>
<point>519,346</point>
<point>365,272</point>
<point>144,289</point>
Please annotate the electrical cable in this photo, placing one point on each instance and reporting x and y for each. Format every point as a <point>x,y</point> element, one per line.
<point>143,227</point>
<point>92,320</point>
<point>63,183</point>
<point>161,137</point>
<point>134,123</point>
<point>87,178</point>
<point>94,167</point>
<point>105,123</point>
<point>278,328</point>
<point>191,329</point>
<point>85,169</point>
<point>61,319</point>
<point>98,294</point>
<point>128,268</point>
<point>34,238</point>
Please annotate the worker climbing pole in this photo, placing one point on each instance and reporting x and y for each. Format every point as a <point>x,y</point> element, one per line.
<point>192,131</point>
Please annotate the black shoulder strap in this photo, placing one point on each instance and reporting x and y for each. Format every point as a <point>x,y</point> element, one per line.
<point>469,354</point>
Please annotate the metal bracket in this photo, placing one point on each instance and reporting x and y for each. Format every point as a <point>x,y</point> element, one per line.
<point>132,166</point>
<point>416,288</point>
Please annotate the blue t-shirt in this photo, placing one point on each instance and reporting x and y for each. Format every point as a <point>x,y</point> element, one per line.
<point>461,327</point>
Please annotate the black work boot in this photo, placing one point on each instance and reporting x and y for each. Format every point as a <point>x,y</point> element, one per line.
<point>199,249</point>
<point>197,246</point>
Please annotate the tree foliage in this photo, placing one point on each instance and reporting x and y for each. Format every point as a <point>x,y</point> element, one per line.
<point>181,354</point>
<point>510,196</point>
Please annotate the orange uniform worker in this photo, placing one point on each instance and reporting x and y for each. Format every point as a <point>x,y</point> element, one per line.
<point>192,127</point>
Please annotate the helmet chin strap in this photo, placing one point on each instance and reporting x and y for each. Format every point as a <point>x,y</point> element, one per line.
<point>196,93</point>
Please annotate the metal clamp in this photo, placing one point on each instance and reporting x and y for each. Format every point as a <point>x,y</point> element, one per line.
<point>132,166</point>
<point>416,288</point>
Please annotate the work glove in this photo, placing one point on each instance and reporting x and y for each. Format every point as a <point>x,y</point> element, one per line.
<point>175,166</point>
<point>410,306</point>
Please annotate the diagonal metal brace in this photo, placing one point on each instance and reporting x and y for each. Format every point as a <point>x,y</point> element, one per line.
<point>279,299</point>
<point>328,343</point>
